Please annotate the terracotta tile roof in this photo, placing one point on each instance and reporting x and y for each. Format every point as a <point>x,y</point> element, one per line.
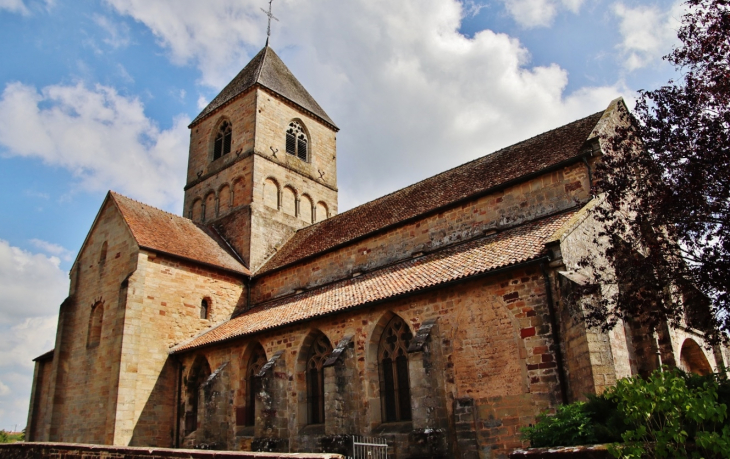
<point>531,155</point>
<point>164,232</point>
<point>510,247</point>
<point>268,70</point>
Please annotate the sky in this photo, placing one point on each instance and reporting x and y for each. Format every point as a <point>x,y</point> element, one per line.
<point>97,95</point>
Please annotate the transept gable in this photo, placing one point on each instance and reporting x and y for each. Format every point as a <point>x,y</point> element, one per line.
<point>163,232</point>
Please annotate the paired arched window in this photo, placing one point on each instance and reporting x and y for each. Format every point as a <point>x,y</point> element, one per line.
<point>318,353</point>
<point>204,308</point>
<point>255,363</point>
<point>297,143</point>
<point>199,373</point>
<point>222,143</point>
<point>95,321</point>
<point>395,393</point>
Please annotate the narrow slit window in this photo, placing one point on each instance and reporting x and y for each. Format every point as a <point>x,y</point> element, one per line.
<point>204,309</point>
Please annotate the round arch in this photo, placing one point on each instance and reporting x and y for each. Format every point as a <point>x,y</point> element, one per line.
<point>692,359</point>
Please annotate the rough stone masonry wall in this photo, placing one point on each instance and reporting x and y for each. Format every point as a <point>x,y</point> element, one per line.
<point>241,114</point>
<point>272,120</point>
<point>81,451</point>
<point>85,375</point>
<point>543,195</point>
<point>162,310</point>
<point>40,406</point>
<point>487,369</point>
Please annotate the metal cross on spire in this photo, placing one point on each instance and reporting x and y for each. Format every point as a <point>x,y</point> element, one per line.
<point>271,16</point>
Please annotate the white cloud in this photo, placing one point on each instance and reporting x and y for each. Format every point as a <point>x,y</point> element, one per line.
<point>14,6</point>
<point>31,285</point>
<point>118,32</point>
<point>539,13</point>
<point>648,32</point>
<point>412,95</point>
<point>53,249</point>
<point>102,137</point>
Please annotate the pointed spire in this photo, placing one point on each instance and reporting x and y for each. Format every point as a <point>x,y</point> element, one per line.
<point>266,69</point>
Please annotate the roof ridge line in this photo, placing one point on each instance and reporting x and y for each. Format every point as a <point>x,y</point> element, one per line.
<point>114,193</point>
<point>501,150</point>
<point>261,64</point>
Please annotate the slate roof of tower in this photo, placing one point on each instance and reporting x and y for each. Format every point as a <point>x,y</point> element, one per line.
<point>267,70</point>
<point>160,231</point>
<point>470,179</point>
<point>520,244</point>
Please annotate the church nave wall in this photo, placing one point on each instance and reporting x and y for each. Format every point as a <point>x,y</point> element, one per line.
<point>540,196</point>
<point>485,368</point>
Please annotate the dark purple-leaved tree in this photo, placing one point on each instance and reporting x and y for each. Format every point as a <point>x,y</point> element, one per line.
<point>666,187</point>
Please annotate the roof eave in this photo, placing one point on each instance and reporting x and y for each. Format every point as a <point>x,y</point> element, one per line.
<point>498,270</point>
<point>257,85</point>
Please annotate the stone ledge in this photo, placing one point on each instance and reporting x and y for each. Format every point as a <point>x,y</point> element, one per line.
<point>32,450</point>
<point>563,452</point>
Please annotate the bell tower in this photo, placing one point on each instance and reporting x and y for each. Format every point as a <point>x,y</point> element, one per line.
<point>262,161</point>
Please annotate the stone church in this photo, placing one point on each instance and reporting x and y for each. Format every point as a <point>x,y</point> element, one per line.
<point>437,318</point>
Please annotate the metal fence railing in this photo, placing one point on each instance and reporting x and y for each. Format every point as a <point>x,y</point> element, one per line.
<point>369,448</point>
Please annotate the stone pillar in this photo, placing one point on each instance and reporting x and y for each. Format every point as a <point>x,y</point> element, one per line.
<point>428,397</point>
<point>272,414</point>
<point>215,412</point>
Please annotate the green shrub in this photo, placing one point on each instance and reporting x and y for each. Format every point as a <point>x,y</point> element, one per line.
<point>569,426</point>
<point>669,415</point>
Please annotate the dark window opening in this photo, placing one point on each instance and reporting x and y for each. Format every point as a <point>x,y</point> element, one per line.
<point>395,392</point>
<point>222,144</point>
<point>198,375</point>
<point>320,350</point>
<point>204,309</point>
<point>296,141</point>
<point>253,384</point>
<point>95,323</point>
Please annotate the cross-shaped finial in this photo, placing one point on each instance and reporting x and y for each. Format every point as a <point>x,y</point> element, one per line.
<point>271,16</point>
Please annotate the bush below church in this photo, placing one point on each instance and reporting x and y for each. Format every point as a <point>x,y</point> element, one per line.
<point>669,415</point>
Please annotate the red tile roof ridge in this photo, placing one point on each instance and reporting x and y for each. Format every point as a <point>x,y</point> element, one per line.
<point>270,264</point>
<point>401,276</point>
<point>426,253</point>
<point>119,195</point>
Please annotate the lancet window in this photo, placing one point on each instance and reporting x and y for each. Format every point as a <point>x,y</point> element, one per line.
<point>318,353</point>
<point>395,393</point>
<point>296,141</point>
<point>198,375</point>
<point>222,144</point>
<point>253,383</point>
<point>95,322</point>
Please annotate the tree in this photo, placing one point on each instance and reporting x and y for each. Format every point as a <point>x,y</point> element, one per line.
<point>666,189</point>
